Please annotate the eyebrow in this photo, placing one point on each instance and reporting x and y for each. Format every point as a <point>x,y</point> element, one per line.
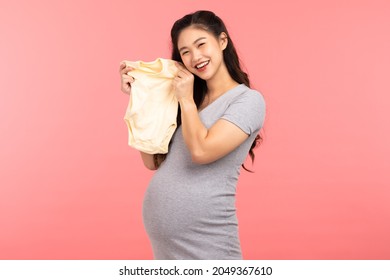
<point>193,43</point>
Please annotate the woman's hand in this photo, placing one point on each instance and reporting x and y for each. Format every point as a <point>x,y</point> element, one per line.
<point>126,80</point>
<point>183,83</point>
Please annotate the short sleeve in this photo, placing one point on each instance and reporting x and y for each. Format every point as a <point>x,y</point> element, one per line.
<point>247,111</point>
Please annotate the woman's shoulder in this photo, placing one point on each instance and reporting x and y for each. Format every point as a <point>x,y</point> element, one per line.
<point>246,109</point>
<point>249,96</point>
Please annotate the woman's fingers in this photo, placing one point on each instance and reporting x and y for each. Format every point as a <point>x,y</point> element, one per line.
<point>179,65</point>
<point>125,70</point>
<point>181,69</point>
<point>126,79</point>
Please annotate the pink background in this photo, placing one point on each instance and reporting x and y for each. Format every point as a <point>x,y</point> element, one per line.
<point>71,188</point>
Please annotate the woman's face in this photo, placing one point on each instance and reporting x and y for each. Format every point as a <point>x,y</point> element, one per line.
<point>201,52</point>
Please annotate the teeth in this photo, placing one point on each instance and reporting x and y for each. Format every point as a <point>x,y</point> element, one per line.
<point>202,64</point>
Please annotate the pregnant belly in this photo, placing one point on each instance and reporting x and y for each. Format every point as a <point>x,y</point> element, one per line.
<point>173,207</point>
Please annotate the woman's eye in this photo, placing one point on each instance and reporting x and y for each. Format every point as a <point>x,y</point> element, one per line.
<point>183,53</point>
<point>201,44</point>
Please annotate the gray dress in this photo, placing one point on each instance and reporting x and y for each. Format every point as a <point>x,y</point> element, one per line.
<point>189,209</point>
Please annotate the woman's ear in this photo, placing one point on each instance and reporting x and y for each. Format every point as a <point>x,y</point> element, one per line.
<point>223,39</point>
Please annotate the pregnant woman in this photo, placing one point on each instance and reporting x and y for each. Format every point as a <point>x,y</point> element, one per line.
<point>189,207</point>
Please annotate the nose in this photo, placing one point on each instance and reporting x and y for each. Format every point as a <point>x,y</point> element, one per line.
<point>196,56</point>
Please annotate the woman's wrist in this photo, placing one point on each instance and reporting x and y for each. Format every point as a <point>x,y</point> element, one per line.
<point>187,104</point>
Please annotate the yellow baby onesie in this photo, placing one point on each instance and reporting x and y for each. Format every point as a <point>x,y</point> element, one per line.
<point>152,109</point>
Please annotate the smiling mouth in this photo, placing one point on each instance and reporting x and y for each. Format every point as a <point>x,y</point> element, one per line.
<point>203,64</point>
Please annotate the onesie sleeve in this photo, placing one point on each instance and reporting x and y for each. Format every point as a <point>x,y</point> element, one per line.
<point>247,111</point>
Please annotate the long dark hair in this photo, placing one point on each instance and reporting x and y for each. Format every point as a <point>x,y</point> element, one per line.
<point>211,23</point>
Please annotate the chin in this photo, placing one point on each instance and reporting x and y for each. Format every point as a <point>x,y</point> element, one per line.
<point>205,77</point>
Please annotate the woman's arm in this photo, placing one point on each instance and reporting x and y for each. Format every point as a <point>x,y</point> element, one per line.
<point>148,161</point>
<point>205,145</point>
<point>208,145</point>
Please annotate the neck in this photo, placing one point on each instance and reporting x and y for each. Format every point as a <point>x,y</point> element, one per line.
<point>220,83</point>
